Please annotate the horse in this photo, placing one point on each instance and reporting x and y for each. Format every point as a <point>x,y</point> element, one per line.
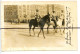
<point>52,22</point>
<point>41,23</point>
<point>60,25</point>
<point>56,23</point>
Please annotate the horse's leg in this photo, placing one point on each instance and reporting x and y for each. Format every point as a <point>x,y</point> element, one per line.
<point>55,30</point>
<point>64,30</point>
<point>39,32</point>
<point>60,30</point>
<point>30,31</point>
<point>43,33</point>
<point>47,29</point>
<point>33,30</point>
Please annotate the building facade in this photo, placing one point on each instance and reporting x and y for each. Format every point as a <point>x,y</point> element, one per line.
<point>10,12</point>
<point>25,12</point>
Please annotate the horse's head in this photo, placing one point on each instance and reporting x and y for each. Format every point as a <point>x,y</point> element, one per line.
<point>48,17</point>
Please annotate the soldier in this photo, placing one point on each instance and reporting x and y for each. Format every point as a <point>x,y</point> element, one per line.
<point>54,19</point>
<point>53,15</point>
<point>62,18</point>
<point>37,16</point>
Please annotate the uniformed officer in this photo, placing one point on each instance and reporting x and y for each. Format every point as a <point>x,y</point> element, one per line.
<point>37,16</point>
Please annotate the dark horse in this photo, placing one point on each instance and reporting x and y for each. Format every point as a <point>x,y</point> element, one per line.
<point>41,23</point>
<point>55,23</point>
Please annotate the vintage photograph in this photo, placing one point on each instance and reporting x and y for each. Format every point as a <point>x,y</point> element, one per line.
<point>36,26</point>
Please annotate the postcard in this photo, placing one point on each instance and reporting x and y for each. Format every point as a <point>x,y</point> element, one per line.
<point>38,25</point>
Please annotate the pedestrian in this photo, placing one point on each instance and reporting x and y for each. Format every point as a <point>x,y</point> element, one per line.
<point>63,21</point>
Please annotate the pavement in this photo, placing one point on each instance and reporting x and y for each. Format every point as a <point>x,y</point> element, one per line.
<point>19,38</point>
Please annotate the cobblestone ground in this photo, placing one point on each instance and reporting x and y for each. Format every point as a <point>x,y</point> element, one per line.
<point>19,38</point>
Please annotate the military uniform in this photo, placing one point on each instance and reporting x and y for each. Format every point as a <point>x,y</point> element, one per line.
<point>37,17</point>
<point>54,19</point>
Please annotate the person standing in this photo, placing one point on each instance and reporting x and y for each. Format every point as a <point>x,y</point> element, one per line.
<point>63,20</point>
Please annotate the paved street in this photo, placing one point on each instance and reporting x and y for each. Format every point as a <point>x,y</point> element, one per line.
<point>19,38</point>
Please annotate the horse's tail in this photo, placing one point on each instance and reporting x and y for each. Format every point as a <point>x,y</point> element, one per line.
<point>30,27</point>
<point>29,23</point>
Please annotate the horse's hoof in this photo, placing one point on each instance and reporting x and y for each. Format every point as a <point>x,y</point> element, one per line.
<point>44,37</point>
<point>37,36</point>
<point>47,32</point>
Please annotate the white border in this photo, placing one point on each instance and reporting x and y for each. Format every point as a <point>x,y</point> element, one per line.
<point>39,0</point>
<point>0,26</point>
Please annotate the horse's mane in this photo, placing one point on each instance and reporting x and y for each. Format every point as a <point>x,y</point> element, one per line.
<point>45,17</point>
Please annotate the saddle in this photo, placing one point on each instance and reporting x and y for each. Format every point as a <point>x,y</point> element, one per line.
<point>36,22</point>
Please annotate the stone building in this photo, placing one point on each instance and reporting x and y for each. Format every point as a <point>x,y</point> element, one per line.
<point>25,12</point>
<point>10,12</point>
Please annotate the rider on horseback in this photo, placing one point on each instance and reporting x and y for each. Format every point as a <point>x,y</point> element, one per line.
<point>37,16</point>
<point>53,15</point>
<point>54,19</point>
